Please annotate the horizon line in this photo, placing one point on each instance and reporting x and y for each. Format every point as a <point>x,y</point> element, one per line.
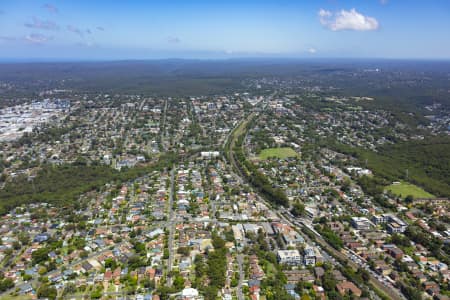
<point>217,59</point>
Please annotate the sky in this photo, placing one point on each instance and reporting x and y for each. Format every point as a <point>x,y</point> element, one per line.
<point>214,29</point>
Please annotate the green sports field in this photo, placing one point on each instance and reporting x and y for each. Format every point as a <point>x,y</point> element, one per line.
<point>278,153</point>
<point>404,189</point>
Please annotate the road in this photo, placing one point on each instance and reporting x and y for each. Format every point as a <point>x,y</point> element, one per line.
<point>240,259</point>
<point>231,139</point>
<point>171,224</point>
<point>163,132</point>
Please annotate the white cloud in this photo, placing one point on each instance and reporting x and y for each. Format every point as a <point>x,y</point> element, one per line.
<point>347,20</point>
<point>36,38</point>
<point>312,50</point>
<point>324,13</point>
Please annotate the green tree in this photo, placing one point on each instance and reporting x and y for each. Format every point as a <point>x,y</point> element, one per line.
<point>40,255</point>
<point>47,291</point>
<point>298,209</point>
<point>6,284</point>
<point>178,282</point>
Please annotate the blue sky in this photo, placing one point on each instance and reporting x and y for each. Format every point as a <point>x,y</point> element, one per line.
<point>224,29</point>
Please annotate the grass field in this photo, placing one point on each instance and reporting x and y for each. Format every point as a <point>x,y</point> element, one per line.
<point>404,189</point>
<point>21,297</point>
<point>278,153</point>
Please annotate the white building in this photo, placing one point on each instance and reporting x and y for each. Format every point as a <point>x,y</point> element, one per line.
<point>395,224</point>
<point>361,223</point>
<point>309,258</point>
<point>209,154</point>
<point>380,219</point>
<point>289,257</point>
<point>359,171</point>
<point>190,294</point>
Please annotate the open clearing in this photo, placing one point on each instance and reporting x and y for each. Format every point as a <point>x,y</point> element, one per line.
<point>278,153</point>
<point>404,189</point>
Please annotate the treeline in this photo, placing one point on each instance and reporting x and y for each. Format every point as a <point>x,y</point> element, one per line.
<point>427,162</point>
<point>330,236</point>
<point>256,178</point>
<point>62,185</point>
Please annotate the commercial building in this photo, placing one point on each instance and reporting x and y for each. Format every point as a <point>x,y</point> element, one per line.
<point>309,258</point>
<point>289,257</point>
<point>361,223</point>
